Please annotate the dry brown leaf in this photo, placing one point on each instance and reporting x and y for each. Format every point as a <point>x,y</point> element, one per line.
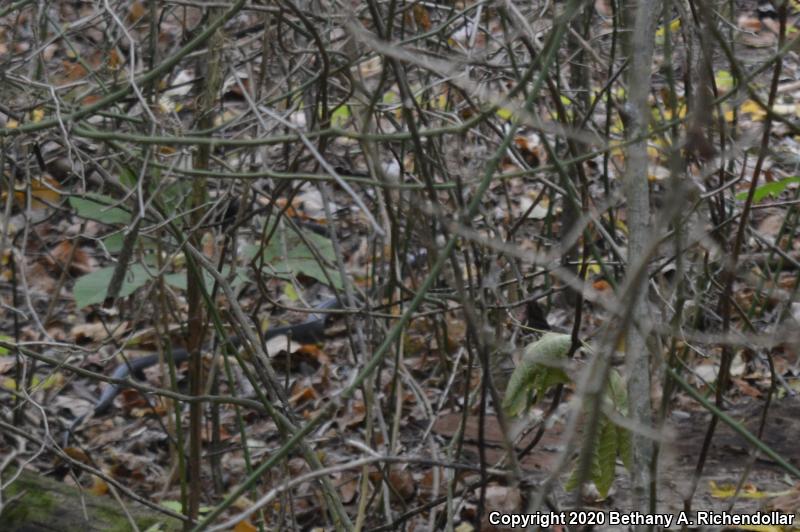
<point>78,455</point>
<point>137,11</point>
<point>244,526</point>
<point>304,394</point>
<point>422,17</point>
<point>99,486</point>
<point>348,490</point>
<point>67,254</point>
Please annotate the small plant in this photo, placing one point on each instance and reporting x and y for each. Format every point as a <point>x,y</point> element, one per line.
<point>543,366</point>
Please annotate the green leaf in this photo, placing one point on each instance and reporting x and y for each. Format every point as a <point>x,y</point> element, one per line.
<point>99,208</point>
<point>390,97</point>
<point>178,280</point>
<point>7,339</point>
<point>290,292</point>
<point>547,378</point>
<point>175,193</point>
<point>128,177</point>
<point>617,393</point>
<point>91,288</point>
<point>605,449</point>
<point>540,369</point>
<point>572,481</point>
<point>340,116</point>
<point>113,242</point>
<point>605,457</point>
<point>175,506</point>
<point>773,189</point>
<point>724,80</point>
<point>298,258</point>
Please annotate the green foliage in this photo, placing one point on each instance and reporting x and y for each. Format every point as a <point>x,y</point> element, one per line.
<point>341,116</point>
<point>541,368</point>
<point>290,254</point>
<point>91,288</point>
<point>774,189</point>
<point>8,339</point>
<point>605,449</point>
<point>100,208</point>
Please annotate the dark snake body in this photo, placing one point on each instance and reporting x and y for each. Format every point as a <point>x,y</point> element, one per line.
<point>311,330</point>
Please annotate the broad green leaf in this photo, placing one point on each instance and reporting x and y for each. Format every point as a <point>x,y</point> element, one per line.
<point>128,177</point>
<point>773,189</point>
<point>91,288</point>
<point>175,193</point>
<point>605,449</point>
<point>547,378</point>
<point>617,393</point>
<point>605,457</point>
<point>178,280</point>
<point>298,258</point>
<point>99,208</point>
<point>113,242</point>
<point>539,369</point>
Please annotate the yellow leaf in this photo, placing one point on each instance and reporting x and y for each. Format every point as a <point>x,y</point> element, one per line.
<point>37,115</point>
<point>290,292</point>
<point>726,491</point>
<point>681,112</point>
<point>44,190</point>
<point>12,124</point>
<point>728,114</point>
<point>504,113</point>
<point>673,27</point>
<point>593,269</point>
<point>755,111</point>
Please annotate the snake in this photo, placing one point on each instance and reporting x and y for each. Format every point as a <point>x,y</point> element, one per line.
<point>311,330</point>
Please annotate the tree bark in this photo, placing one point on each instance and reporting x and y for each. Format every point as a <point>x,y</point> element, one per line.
<point>640,48</point>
